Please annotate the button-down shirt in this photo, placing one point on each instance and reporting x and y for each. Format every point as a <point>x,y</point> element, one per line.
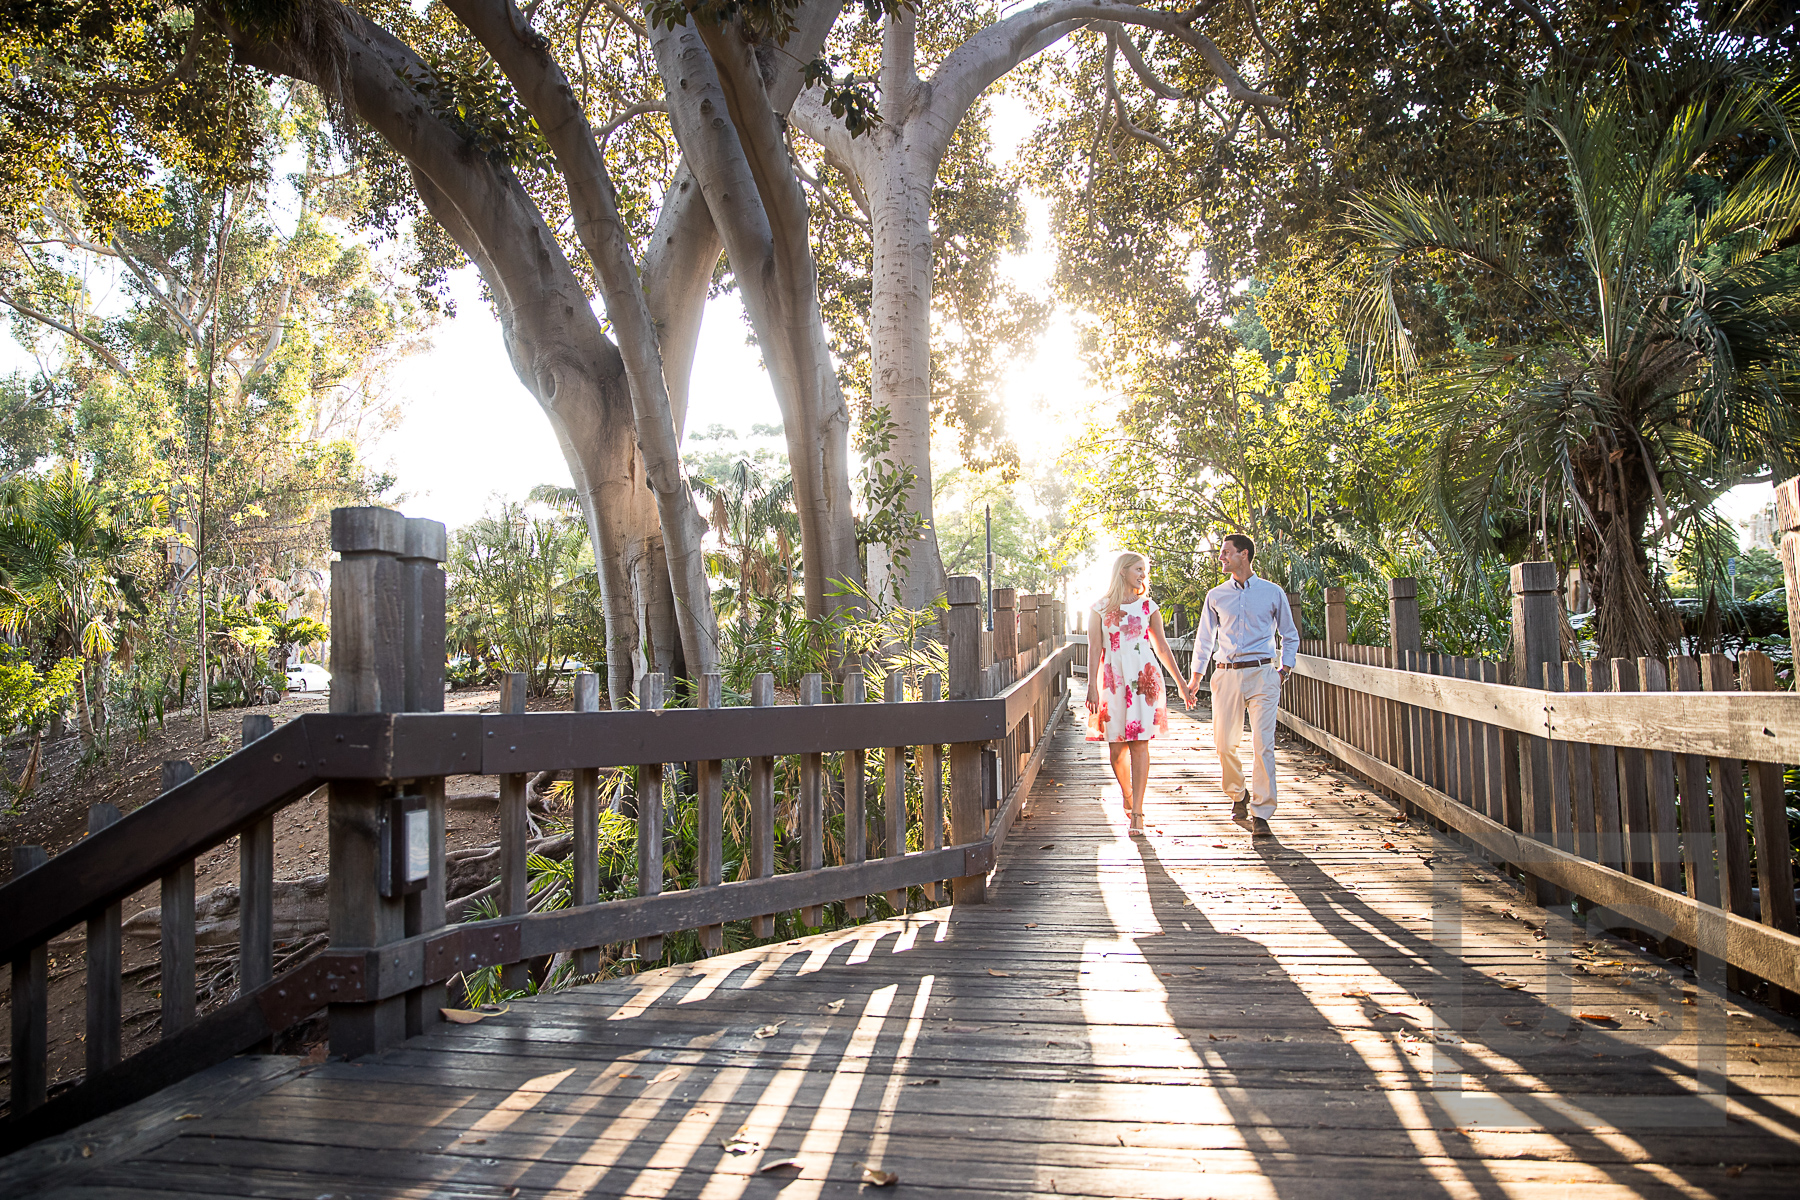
<point>1241,622</point>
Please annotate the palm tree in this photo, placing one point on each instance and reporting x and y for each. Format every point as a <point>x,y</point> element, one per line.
<point>1671,366</point>
<point>62,559</point>
<point>757,527</point>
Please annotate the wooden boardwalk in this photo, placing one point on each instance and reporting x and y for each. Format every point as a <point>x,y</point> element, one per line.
<point>1356,1008</point>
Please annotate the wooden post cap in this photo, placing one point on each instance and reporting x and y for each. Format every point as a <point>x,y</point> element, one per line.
<point>1534,577</point>
<point>1336,595</point>
<point>1787,505</point>
<point>426,539</point>
<point>1006,597</point>
<point>367,531</point>
<point>964,589</point>
<point>1028,602</point>
<point>1403,589</point>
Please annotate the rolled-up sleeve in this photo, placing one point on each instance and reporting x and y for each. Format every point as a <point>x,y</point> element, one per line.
<point>1205,636</point>
<point>1284,624</point>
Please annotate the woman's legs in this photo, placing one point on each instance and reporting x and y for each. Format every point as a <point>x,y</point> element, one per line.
<point>1140,774</point>
<point>1119,754</point>
<point>1131,767</point>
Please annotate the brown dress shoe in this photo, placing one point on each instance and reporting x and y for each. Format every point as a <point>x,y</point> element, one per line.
<point>1260,828</point>
<point>1240,809</point>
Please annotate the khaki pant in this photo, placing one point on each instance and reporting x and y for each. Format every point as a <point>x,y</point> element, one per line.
<point>1257,691</point>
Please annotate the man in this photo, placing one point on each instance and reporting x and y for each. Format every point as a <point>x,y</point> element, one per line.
<point>1239,627</point>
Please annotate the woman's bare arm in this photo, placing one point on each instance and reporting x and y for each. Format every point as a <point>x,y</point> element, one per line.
<point>1167,656</point>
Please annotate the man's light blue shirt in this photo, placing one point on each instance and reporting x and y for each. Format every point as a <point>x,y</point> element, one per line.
<point>1241,622</point>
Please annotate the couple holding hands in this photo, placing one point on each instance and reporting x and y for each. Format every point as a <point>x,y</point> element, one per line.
<point>1247,634</point>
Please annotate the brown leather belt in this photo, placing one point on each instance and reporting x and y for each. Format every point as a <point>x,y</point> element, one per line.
<point>1234,666</point>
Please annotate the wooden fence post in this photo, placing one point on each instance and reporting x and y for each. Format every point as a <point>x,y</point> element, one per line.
<point>105,957</point>
<point>962,624</point>
<point>1028,634</point>
<point>514,899</point>
<point>30,1005</point>
<point>584,825</point>
<point>177,921</point>
<point>650,818</point>
<point>1006,624</point>
<point>368,674</point>
<point>1536,644</point>
<point>1787,521</point>
<point>427,547</point>
<point>1403,638</point>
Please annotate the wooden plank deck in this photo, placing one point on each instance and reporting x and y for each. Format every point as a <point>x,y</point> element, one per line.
<point>1356,1008</point>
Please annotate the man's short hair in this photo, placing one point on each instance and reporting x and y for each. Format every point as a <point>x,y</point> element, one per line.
<point>1242,542</point>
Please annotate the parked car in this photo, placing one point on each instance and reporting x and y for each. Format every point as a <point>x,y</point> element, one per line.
<point>308,677</point>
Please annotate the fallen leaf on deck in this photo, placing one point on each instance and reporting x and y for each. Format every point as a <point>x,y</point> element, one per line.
<point>1734,1172</point>
<point>627,1075</point>
<point>188,1117</point>
<point>1031,924</point>
<point>1048,846</point>
<point>1387,845</point>
<point>667,1074</point>
<point>1596,1016</point>
<point>1213,1037</point>
<point>468,1016</point>
<point>776,1166</point>
<point>962,1029</point>
<point>1029,882</point>
<point>469,1142</point>
<point>1001,974</point>
<point>1357,992</point>
<point>875,1178</point>
<point>1511,985</point>
<point>924,1083</point>
<point>87,1152</point>
<point>740,1142</point>
<point>834,1006</point>
<point>1218,845</point>
<point>768,1031</point>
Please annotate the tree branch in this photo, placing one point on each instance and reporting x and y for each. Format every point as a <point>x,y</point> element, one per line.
<point>1118,101</point>
<point>636,110</point>
<point>26,310</point>
<point>972,67</point>
<point>1141,69</point>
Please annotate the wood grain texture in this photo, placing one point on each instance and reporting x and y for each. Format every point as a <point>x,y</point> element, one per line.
<point>1187,1014</point>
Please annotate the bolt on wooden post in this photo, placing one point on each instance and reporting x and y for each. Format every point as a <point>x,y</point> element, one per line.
<point>368,675</point>
<point>962,625</point>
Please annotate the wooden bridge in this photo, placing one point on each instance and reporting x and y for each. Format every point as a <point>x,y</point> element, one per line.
<point>1509,941</point>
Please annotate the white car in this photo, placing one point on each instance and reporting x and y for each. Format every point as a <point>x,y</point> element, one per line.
<point>308,677</point>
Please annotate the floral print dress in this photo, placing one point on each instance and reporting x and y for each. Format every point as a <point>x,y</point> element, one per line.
<point>1133,706</point>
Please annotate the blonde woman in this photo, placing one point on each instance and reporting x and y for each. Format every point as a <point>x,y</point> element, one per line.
<point>1125,684</point>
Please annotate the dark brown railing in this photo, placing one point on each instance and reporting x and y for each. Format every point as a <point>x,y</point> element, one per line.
<point>1647,792</point>
<point>391,949</point>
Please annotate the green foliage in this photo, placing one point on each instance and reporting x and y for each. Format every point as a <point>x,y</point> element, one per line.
<point>522,594</point>
<point>884,487</point>
<point>1036,548</point>
<point>28,696</point>
<point>1665,371</point>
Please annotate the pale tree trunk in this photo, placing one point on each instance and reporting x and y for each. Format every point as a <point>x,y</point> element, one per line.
<point>896,165</point>
<point>754,197</point>
<point>552,336</point>
<point>527,62</point>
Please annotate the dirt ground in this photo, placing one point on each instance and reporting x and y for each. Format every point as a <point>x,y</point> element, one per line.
<point>55,817</point>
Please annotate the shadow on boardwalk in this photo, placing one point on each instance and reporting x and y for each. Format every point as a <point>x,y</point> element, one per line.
<point>1189,1014</point>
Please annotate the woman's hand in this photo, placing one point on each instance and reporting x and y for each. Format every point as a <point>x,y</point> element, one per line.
<point>1093,696</point>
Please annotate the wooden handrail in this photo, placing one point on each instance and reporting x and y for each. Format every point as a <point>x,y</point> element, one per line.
<point>317,748</point>
<point>1750,726</point>
<point>248,787</point>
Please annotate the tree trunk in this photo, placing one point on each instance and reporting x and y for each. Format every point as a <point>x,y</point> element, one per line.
<point>551,333</point>
<point>776,275</point>
<point>899,191</point>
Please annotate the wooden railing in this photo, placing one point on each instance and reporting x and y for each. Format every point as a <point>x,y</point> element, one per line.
<point>1648,792</point>
<point>391,951</point>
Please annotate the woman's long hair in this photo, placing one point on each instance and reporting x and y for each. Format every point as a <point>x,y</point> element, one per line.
<point>1118,592</point>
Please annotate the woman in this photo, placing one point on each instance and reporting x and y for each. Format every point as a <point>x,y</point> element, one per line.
<point>1125,683</point>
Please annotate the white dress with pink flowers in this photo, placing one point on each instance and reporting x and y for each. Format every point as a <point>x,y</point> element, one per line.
<point>1133,706</point>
